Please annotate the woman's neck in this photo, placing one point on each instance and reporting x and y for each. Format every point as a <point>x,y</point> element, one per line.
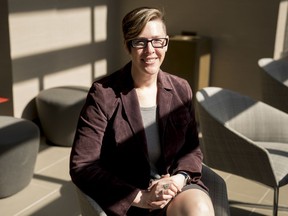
<point>144,80</point>
<point>146,87</point>
<point>147,96</point>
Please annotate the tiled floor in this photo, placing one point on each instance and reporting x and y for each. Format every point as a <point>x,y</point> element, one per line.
<point>51,192</point>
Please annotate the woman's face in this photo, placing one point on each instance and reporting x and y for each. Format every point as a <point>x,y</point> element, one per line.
<point>149,59</point>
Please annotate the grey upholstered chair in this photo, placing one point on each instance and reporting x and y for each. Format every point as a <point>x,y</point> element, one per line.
<point>58,110</point>
<point>215,183</point>
<point>274,82</point>
<point>244,137</point>
<point>19,144</point>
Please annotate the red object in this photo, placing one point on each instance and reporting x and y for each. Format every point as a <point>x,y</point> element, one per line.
<point>3,100</point>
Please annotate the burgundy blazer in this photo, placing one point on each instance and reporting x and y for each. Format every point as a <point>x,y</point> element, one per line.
<point>109,158</point>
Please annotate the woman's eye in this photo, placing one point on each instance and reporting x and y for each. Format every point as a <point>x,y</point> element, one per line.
<point>140,42</point>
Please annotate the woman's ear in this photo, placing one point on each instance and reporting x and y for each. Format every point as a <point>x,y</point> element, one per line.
<point>127,48</point>
<point>166,47</point>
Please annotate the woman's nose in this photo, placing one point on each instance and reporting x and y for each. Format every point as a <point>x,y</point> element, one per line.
<point>149,48</point>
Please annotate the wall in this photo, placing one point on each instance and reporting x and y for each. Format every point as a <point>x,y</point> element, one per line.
<point>73,42</point>
<point>241,31</point>
<point>5,62</point>
<point>56,43</point>
<point>281,40</point>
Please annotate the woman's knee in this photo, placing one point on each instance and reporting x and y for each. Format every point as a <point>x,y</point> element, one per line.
<point>191,202</point>
<point>202,208</point>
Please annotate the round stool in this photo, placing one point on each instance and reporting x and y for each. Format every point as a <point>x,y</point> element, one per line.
<point>19,145</point>
<point>58,110</point>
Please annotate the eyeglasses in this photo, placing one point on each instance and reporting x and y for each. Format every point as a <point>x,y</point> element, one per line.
<point>142,42</point>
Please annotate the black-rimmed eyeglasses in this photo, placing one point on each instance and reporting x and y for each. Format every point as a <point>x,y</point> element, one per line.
<point>142,42</point>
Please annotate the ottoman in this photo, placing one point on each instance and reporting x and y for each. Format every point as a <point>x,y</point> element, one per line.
<point>19,145</point>
<point>58,111</point>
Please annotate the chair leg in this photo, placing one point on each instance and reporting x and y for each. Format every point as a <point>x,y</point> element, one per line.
<point>276,199</point>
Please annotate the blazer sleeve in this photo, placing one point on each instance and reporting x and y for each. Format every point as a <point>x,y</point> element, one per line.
<point>114,195</point>
<point>181,142</point>
<point>192,158</point>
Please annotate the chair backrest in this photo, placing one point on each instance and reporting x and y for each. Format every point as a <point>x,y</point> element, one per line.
<point>229,122</point>
<point>274,82</point>
<point>252,119</point>
<point>217,191</point>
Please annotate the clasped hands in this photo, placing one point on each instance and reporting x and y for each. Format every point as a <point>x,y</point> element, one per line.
<point>160,192</point>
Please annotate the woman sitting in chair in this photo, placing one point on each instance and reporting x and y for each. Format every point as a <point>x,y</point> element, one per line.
<point>136,149</point>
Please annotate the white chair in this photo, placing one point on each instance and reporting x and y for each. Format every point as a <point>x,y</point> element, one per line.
<point>244,137</point>
<point>274,82</point>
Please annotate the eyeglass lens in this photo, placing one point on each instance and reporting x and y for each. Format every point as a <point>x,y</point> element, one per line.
<point>156,42</point>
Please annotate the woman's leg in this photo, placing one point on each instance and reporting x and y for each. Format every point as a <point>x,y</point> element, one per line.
<point>191,202</point>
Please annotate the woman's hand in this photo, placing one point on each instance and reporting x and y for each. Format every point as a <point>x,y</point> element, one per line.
<point>179,180</point>
<point>175,182</point>
<point>149,199</point>
<point>160,192</point>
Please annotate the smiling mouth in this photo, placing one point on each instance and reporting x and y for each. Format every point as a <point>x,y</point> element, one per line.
<point>150,60</point>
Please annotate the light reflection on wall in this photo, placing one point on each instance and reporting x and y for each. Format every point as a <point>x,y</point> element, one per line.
<point>100,68</point>
<point>100,23</point>
<point>38,32</point>
<point>281,38</point>
<point>79,76</point>
<point>56,34</point>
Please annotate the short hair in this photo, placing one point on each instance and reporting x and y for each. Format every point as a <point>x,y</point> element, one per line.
<point>134,22</point>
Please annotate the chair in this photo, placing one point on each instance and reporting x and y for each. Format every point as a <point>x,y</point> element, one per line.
<point>274,81</point>
<point>215,183</point>
<point>58,110</point>
<point>244,137</point>
<point>19,144</point>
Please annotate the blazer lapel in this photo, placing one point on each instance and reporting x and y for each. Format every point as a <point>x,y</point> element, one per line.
<point>164,101</point>
<point>131,108</point>
<point>164,107</point>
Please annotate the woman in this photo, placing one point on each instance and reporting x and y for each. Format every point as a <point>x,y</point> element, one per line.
<point>136,149</point>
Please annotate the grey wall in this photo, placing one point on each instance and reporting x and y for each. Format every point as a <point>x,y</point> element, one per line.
<point>5,62</point>
<point>55,43</point>
<point>241,31</point>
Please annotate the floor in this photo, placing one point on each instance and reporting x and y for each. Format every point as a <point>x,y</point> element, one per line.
<point>51,191</point>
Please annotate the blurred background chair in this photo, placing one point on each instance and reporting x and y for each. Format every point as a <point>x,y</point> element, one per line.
<point>58,110</point>
<point>215,183</point>
<point>244,137</point>
<point>19,144</point>
<point>274,82</point>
